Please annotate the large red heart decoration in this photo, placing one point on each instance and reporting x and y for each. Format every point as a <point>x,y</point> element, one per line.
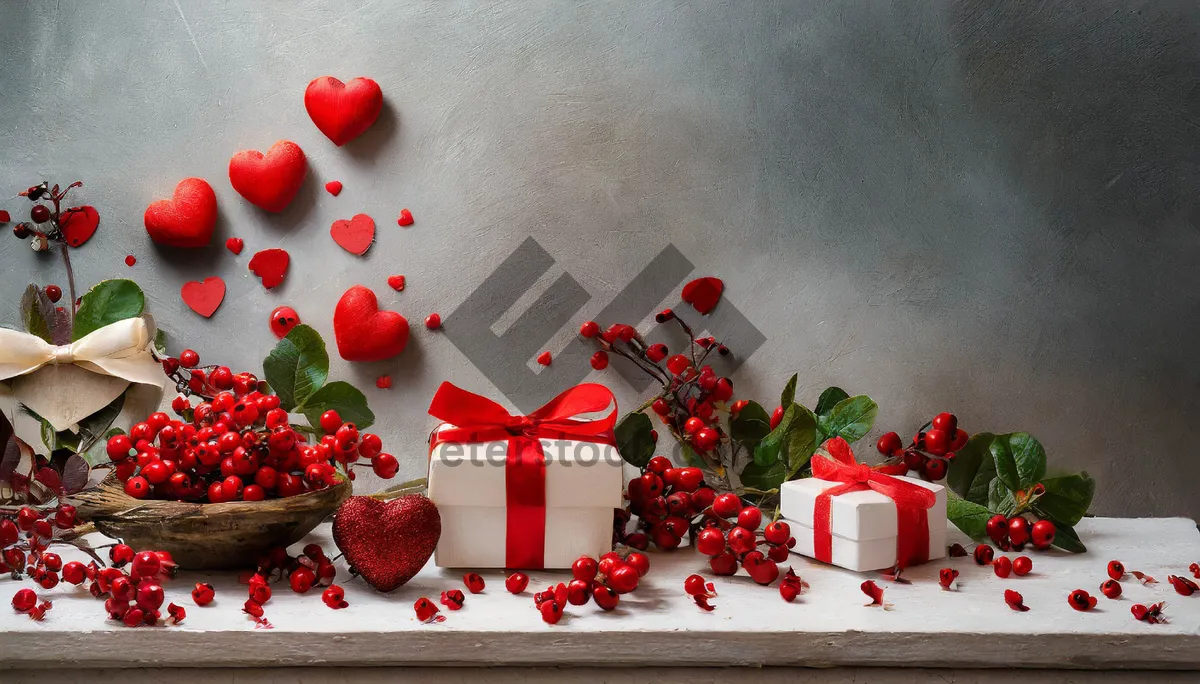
<point>79,224</point>
<point>270,265</point>
<point>205,296</point>
<point>342,111</point>
<point>185,220</point>
<point>356,235</point>
<point>363,332</point>
<point>269,181</point>
<point>387,542</point>
<point>703,293</point>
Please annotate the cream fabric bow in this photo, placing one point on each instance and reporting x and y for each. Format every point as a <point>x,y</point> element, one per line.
<point>49,379</point>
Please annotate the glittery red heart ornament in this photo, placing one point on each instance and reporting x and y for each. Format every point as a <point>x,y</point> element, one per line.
<point>270,265</point>
<point>204,296</point>
<point>343,111</point>
<point>356,235</point>
<point>387,542</point>
<point>269,181</point>
<point>185,220</point>
<point>703,293</point>
<point>79,224</point>
<point>363,332</point>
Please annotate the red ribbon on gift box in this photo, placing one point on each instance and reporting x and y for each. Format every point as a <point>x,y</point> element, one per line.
<point>478,419</point>
<point>912,502</point>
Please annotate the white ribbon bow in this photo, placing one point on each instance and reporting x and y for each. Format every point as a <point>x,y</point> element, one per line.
<point>117,354</point>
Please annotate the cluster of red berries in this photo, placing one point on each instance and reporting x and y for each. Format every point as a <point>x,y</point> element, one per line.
<point>1012,534</point>
<point>135,598</point>
<point>304,572</point>
<point>238,445</point>
<point>45,225</point>
<point>730,538</point>
<point>1003,566</point>
<point>930,451</point>
<point>666,500</point>
<point>602,581</point>
<point>452,599</point>
<point>25,538</point>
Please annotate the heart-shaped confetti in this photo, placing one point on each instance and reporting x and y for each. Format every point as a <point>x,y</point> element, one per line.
<point>396,282</point>
<point>235,245</point>
<point>356,235</point>
<point>185,220</point>
<point>270,265</point>
<point>204,296</point>
<point>387,542</point>
<point>79,224</point>
<point>269,181</point>
<point>544,358</point>
<point>4,216</point>
<point>334,188</point>
<point>363,332</point>
<point>343,111</point>
<point>405,219</point>
<point>703,293</point>
<point>383,382</point>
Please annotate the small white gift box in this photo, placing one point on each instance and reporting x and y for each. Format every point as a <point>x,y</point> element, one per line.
<point>523,501</point>
<point>863,525</point>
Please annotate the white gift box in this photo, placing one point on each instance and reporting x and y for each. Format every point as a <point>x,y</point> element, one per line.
<point>863,523</point>
<point>467,481</point>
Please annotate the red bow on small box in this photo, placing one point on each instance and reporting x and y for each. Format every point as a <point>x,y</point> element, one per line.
<point>479,419</point>
<point>912,502</point>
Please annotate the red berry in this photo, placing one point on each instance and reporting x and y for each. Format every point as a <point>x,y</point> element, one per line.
<point>189,358</point>
<point>474,582</point>
<point>762,570</point>
<point>1042,534</point>
<point>589,329</point>
<point>690,480</point>
<point>283,319</point>
<point>330,422</point>
<point>776,417</point>
<point>946,422</point>
<point>889,444</point>
<point>997,528</point>
<point>433,321</point>
<point>658,465</point>
<point>585,568</point>
<point>385,466</point>
<point>425,610</point>
<point>1002,566</point>
<point>53,293</point>
<point>946,577</point>
<point>24,600</point>
<point>639,562</point>
<point>777,532</point>
<point>1116,570</point>
<point>934,469</point>
<point>710,541</point>
<point>579,592</point>
<point>302,579</point>
<point>1081,600</point>
<point>203,594</point>
<point>724,563</point>
<point>1018,531</point>
<point>678,363</point>
<point>660,407</point>
<point>1022,565</point>
<point>605,597</point>
<point>74,572</point>
<point>600,360</point>
<point>516,582</point>
<point>1111,588</point>
<point>137,487</point>
<point>693,425</point>
<point>334,597</point>
<point>727,505</point>
<point>145,564</point>
<point>623,579</point>
<point>694,585</point>
<point>937,442</point>
<point>656,352</point>
<point>750,518</point>
<point>118,447</point>
<point>984,554</point>
<point>740,539</point>
<point>723,390</point>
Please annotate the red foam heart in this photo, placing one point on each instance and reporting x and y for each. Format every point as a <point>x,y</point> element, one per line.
<point>363,332</point>
<point>79,224</point>
<point>406,218</point>
<point>204,296</point>
<point>544,358</point>
<point>334,188</point>
<point>396,282</point>
<point>269,181</point>
<point>185,220</point>
<point>387,542</point>
<point>270,265</point>
<point>235,245</point>
<point>342,111</point>
<point>703,293</point>
<point>356,235</point>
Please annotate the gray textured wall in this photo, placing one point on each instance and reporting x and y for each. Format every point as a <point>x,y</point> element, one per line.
<point>982,206</point>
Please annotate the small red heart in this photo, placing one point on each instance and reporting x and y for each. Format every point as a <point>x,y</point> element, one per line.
<point>383,382</point>
<point>703,293</point>
<point>406,218</point>
<point>356,235</point>
<point>334,188</point>
<point>270,265</point>
<point>185,220</point>
<point>204,296</point>
<point>396,282</point>
<point>343,111</point>
<point>363,332</point>
<point>269,181</point>
<point>79,224</point>
<point>544,358</point>
<point>387,542</point>
<point>235,245</point>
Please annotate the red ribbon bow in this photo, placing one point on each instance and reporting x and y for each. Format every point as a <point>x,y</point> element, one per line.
<point>478,419</point>
<point>912,502</point>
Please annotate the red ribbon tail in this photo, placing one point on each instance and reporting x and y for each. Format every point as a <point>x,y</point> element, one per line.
<point>525,505</point>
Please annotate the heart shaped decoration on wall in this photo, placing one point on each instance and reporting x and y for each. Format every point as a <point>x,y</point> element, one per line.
<point>269,181</point>
<point>343,111</point>
<point>204,296</point>
<point>270,265</point>
<point>363,332</point>
<point>356,235</point>
<point>78,224</point>
<point>387,542</point>
<point>185,220</point>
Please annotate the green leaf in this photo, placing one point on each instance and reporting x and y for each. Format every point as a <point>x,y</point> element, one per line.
<point>342,397</point>
<point>750,425</point>
<point>1000,498</point>
<point>160,342</point>
<point>789,391</point>
<point>92,429</point>
<point>106,303</point>
<point>1067,539</point>
<point>690,457</point>
<point>802,441</point>
<point>98,453</point>
<point>967,516</point>
<point>1020,460</point>
<point>1067,498</point>
<point>297,367</point>
<point>850,418</point>
<point>973,469</point>
<point>830,398</point>
<point>635,442</point>
<point>763,477</point>
<point>31,313</point>
<point>767,451</point>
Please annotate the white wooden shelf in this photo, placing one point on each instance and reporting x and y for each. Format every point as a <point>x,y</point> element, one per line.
<point>659,625</point>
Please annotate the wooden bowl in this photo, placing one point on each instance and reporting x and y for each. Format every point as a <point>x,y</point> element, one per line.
<point>207,536</point>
